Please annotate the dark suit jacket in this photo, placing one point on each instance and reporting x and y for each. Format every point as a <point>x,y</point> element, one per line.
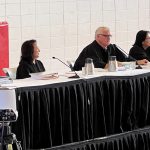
<point>99,55</point>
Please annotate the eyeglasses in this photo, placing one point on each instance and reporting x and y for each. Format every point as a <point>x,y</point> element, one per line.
<point>106,35</point>
<point>148,39</point>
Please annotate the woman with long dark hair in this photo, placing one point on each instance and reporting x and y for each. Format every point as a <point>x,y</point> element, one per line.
<point>29,63</point>
<point>141,47</point>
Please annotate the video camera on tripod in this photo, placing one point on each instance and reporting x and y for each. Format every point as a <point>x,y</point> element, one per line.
<point>8,113</point>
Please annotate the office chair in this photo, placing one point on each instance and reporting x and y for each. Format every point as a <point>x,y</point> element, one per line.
<point>10,72</point>
<point>71,64</point>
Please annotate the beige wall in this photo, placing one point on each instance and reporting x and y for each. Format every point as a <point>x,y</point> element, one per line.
<point>64,27</point>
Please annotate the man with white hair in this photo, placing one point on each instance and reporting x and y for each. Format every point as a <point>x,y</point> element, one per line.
<point>100,49</point>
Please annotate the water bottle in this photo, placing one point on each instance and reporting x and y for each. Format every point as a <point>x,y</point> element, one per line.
<point>112,64</point>
<point>89,67</point>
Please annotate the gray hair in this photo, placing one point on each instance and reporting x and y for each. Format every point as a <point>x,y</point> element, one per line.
<point>99,30</point>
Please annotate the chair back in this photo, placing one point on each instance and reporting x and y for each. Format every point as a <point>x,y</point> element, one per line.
<point>71,64</point>
<point>11,72</point>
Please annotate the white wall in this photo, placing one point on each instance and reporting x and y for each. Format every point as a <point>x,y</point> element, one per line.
<point>63,28</point>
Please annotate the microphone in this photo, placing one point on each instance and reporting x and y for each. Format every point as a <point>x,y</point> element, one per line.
<point>75,76</point>
<point>127,55</point>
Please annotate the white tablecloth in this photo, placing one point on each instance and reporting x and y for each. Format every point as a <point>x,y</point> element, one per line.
<point>63,77</point>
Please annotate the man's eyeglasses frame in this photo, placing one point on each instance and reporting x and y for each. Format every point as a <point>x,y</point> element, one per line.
<point>105,35</point>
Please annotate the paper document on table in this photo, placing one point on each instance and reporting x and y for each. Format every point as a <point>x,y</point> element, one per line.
<point>5,80</point>
<point>69,74</point>
<point>44,76</point>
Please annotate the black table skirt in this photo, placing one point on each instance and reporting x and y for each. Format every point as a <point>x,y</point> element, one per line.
<point>52,114</point>
<point>133,140</point>
<point>57,114</point>
<point>118,104</point>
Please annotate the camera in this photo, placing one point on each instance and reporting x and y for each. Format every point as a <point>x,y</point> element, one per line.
<point>8,111</point>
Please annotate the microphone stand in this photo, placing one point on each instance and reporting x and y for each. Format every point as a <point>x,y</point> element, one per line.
<point>123,51</point>
<point>75,76</point>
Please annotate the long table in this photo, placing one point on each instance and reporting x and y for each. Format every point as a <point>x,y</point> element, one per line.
<point>81,109</point>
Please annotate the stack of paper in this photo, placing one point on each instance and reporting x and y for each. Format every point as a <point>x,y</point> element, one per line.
<point>5,80</point>
<point>44,75</point>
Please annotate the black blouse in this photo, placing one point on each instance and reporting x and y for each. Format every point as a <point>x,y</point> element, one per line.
<point>140,53</point>
<point>24,69</point>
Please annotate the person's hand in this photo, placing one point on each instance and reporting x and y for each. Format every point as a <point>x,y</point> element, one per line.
<point>106,66</point>
<point>142,62</point>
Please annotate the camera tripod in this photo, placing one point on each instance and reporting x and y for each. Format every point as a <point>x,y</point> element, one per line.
<point>8,140</point>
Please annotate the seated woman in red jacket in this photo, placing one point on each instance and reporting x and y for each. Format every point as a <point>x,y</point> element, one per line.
<point>29,63</point>
<point>141,47</point>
